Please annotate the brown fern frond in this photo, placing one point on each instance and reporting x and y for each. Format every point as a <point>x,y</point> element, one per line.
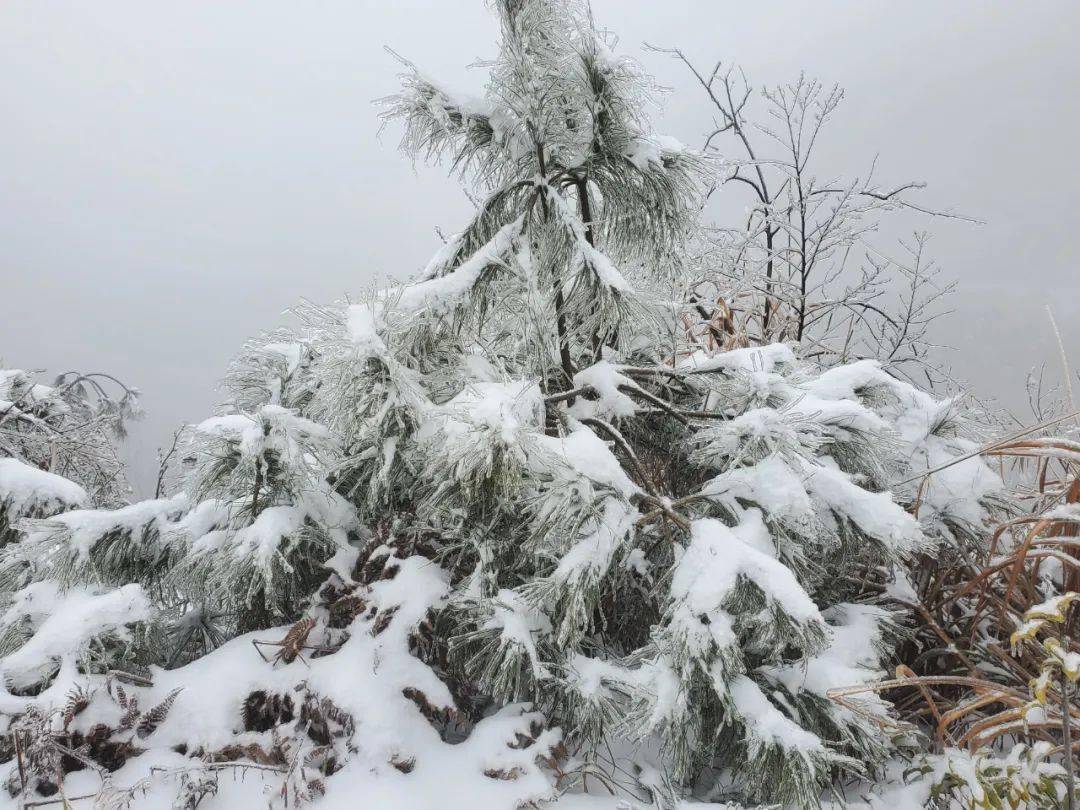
<point>294,640</point>
<point>153,718</point>
<point>77,700</point>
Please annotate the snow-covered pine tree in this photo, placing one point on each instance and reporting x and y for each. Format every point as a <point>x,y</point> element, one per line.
<point>58,454</point>
<point>264,518</point>
<point>650,542</point>
<point>520,479</point>
<point>238,546</point>
<point>103,604</point>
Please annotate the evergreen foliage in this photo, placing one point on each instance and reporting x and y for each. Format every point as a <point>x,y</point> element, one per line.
<point>517,479</point>
<point>64,431</point>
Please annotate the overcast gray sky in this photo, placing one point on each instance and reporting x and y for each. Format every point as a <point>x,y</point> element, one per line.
<point>175,175</point>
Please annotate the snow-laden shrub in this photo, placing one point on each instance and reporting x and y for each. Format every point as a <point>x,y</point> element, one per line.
<point>70,429</point>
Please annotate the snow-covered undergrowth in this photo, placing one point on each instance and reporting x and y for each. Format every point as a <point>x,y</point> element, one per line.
<point>412,673</point>
<point>502,536</point>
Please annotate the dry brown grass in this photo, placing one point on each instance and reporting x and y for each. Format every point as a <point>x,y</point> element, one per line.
<point>963,682</point>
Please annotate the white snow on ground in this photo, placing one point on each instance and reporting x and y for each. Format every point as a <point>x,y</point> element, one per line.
<point>365,678</point>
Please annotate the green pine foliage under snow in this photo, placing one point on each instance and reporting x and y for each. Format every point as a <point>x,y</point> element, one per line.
<point>502,535</point>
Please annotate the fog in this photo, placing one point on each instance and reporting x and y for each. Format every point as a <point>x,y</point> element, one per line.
<point>176,175</point>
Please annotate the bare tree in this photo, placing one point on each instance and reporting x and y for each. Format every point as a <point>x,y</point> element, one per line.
<point>165,459</point>
<point>801,266</point>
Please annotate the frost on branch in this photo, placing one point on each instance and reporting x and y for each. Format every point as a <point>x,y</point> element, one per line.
<point>69,429</point>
